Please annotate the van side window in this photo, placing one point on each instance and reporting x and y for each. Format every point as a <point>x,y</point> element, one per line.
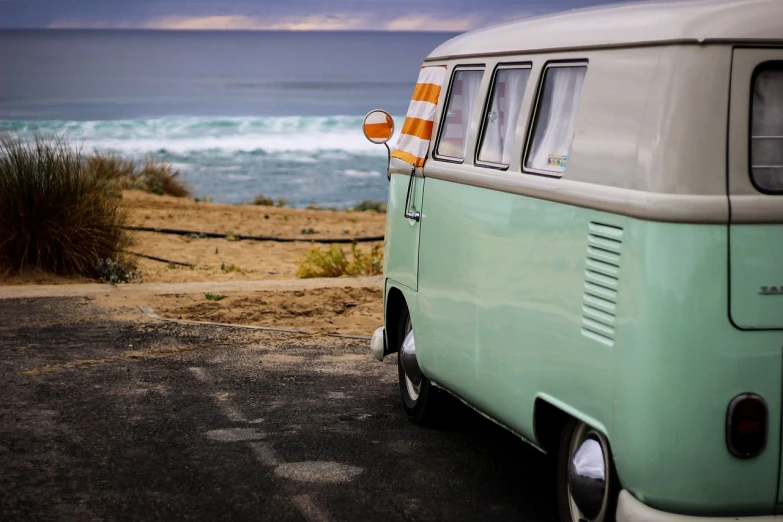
<point>766,128</point>
<point>500,121</point>
<point>553,129</point>
<point>459,109</point>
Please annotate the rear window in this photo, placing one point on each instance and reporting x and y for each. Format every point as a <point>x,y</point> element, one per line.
<point>459,110</point>
<point>553,129</point>
<point>766,128</point>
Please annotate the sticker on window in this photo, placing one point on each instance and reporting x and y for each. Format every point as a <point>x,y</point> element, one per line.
<point>557,161</point>
<point>553,129</point>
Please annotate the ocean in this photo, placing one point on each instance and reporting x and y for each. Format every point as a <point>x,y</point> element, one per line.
<point>237,113</point>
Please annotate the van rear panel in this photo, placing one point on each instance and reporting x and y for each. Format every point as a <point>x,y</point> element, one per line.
<point>755,183</point>
<point>756,257</point>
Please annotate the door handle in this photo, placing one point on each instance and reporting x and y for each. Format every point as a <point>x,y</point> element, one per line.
<point>416,216</point>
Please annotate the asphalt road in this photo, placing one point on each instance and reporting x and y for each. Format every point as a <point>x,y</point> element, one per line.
<point>109,419</point>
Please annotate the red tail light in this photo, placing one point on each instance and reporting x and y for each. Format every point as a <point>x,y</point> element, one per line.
<point>746,426</point>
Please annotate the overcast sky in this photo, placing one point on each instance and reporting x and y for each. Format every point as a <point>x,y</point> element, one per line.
<point>432,15</point>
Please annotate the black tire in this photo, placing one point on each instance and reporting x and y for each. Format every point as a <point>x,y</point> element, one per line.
<point>575,429</point>
<point>420,405</point>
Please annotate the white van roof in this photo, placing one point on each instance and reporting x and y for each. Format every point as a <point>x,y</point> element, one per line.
<point>626,25</point>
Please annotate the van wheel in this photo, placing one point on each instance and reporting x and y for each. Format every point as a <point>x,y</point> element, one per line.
<point>587,484</point>
<point>417,393</point>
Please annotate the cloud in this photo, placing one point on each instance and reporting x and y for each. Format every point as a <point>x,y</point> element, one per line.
<point>432,23</point>
<point>226,22</point>
<point>68,23</point>
<point>238,22</point>
<point>415,15</point>
<point>332,22</point>
<point>339,22</point>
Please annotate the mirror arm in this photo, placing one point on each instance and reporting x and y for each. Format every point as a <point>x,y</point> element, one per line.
<point>388,162</point>
<point>416,216</point>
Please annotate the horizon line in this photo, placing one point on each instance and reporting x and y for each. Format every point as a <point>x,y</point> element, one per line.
<point>174,30</point>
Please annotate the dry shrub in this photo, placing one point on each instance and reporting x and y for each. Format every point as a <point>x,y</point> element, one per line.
<point>270,202</point>
<point>152,176</point>
<point>372,205</point>
<point>56,214</point>
<point>334,263</point>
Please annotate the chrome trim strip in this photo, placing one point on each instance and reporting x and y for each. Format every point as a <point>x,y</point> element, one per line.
<point>757,208</point>
<point>673,208</point>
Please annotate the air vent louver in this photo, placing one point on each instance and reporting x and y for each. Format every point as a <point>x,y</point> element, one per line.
<point>602,277</point>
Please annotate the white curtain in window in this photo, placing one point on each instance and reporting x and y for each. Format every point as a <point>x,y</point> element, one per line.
<point>554,128</point>
<point>471,81</point>
<point>492,141</point>
<point>767,130</point>
<point>462,101</point>
<point>501,120</point>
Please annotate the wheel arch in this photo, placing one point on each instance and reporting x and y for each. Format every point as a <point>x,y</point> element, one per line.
<point>549,417</point>
<point>394,303</point>
<point>548,422</point>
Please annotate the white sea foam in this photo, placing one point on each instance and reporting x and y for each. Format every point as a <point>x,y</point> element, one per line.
<point>336,137</point>
<point>302,159</point>
<point>180,166</point>
<point>351,173</point>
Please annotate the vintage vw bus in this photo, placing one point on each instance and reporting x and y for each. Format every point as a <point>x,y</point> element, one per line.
<point>584,242</point>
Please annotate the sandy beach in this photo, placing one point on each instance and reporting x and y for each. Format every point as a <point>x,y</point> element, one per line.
<point>240,260</point>
<point>342,309</point>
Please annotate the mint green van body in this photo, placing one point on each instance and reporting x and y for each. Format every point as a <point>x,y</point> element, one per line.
<point>638,291</point>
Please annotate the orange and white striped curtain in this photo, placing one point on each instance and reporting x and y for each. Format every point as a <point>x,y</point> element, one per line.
<point>414,141</point>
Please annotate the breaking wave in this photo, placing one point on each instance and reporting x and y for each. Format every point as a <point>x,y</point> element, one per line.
<point>304,159</point>
<point>180,135</point>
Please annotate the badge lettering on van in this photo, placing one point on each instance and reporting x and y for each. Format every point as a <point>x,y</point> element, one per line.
<point>771,290</point>
<point>556,160</point>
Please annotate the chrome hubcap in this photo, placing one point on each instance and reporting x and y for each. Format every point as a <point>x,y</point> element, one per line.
<point>413,390</point>
<point>588,481</point>
<point>409,364</point>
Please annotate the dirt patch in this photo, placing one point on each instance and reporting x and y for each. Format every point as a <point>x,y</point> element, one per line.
<point>342,310</point>
<point>35,276</point>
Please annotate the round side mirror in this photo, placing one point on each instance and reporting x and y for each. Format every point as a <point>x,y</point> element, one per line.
<point>378,126</point>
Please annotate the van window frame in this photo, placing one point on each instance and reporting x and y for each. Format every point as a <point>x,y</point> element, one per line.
<point>487,101</point>
<point>444,111</point>
<point>760,68</point>
<point>579,62</point>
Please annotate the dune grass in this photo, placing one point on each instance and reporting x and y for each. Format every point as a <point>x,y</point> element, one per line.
<point>56,213</point>
<point>151,176</point>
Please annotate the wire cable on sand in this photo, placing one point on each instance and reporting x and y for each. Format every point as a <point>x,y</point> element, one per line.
<point>179,232</point>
